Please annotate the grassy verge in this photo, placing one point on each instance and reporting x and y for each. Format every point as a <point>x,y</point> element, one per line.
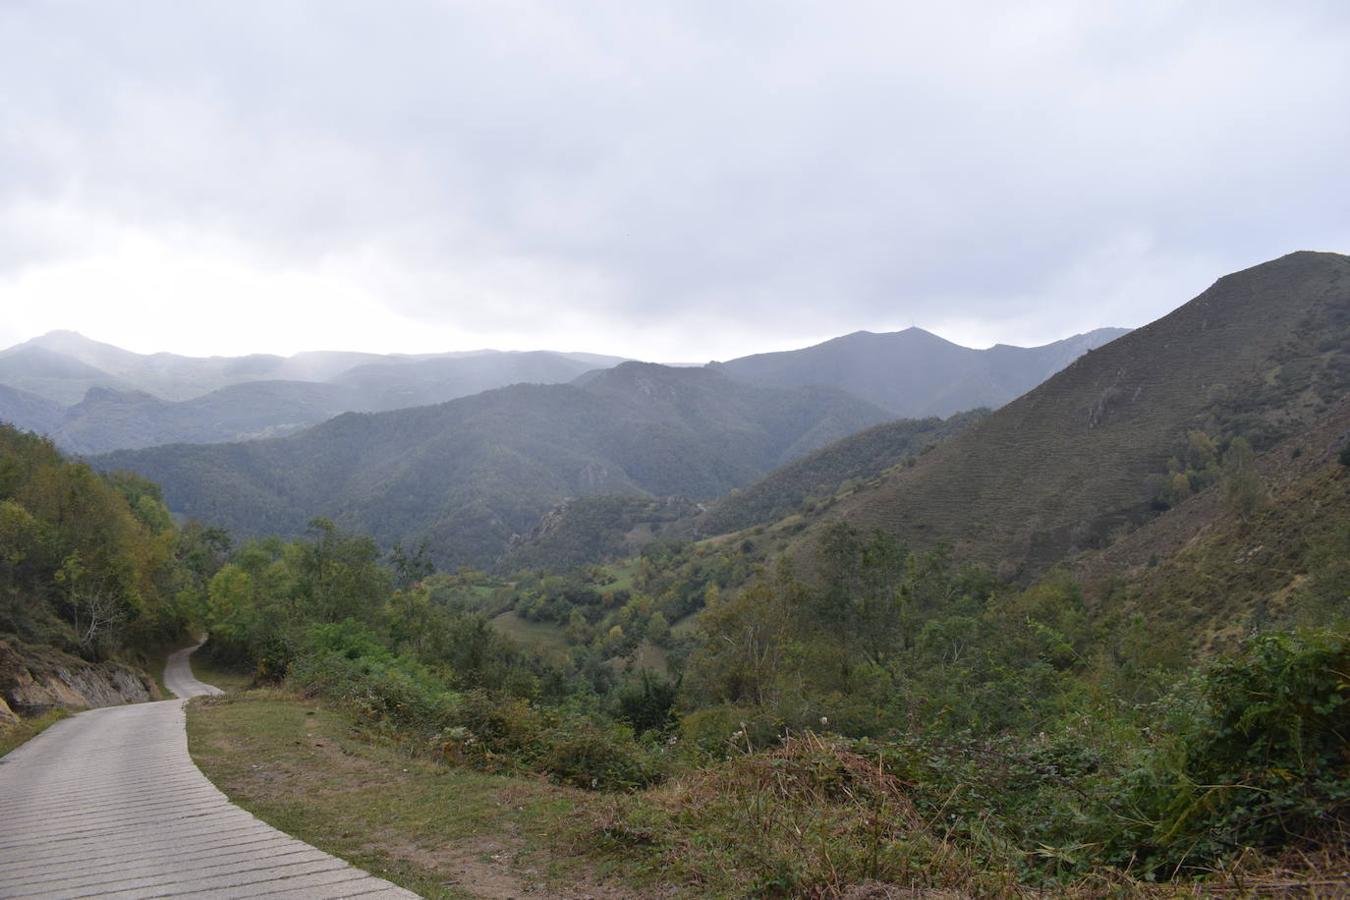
<point>438,830</point>
<point>808,818</point>
<point>27,729</point>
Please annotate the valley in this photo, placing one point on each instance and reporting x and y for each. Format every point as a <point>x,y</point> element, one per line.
<point>667,451</point>
<point>715,633</point>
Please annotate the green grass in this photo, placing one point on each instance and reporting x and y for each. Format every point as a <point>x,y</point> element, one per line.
<point>685,626</point>
<point>624,574</point>
<point>17,735</point>
<point>539,635</point>
<point>438,830</point>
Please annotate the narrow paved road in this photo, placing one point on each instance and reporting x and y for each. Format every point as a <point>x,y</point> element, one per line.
<point>109,804</point>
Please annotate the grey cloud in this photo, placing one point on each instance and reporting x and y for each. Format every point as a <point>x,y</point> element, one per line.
<point>784,168</point>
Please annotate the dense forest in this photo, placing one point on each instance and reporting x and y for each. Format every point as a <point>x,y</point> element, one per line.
<point>93,564</point>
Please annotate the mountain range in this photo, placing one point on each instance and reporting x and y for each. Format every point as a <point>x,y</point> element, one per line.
<point>1067,467</point>
<point>915,374</point>
<point>62,366</point>
<point>91,397</point>
<point>467,475</point>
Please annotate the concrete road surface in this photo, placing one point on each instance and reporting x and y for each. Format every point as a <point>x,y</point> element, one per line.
<point>109,804</point>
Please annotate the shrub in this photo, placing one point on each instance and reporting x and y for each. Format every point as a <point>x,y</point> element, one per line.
<point>719,730</point>
<point>586,754</point>
<point>499,730</point>
<point>647,703</point>
<point>1257,758</point>
<point>347,664</point>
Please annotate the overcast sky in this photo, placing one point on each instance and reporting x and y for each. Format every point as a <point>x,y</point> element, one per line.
<point>680,181</point>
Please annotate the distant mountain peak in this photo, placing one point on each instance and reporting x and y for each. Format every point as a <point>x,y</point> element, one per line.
<point>914,373</point>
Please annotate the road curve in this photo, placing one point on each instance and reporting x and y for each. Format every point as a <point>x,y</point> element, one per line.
<point>178,676</point>
<point>108,803</point>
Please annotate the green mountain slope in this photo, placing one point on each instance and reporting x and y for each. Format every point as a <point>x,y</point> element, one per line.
<point>1262,353</point>
<point>916,374</point>
<point>1213,571</point>
<point>590,530</point>
<point>822,474</point>
<point>468,474</point>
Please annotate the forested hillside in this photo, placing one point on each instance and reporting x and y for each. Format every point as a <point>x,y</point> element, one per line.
<point>95,581</point>
<point>108,420</point>
<point>467,475</point>
<point>89,562</point>
<point>815,479</point>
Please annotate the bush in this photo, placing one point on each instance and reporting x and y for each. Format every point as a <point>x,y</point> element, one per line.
<point>717,731</point>
<point>647,703</point>
<point>496,733</point>
<point>583,753</point>
<point>346,664</point>
<point>1258,758</point>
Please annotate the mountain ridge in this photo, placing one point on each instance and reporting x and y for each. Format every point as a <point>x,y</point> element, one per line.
<point>1069,463</point>
<point>470,473</point>
<point>914,373</point>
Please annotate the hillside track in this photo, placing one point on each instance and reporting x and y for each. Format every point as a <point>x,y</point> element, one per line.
<point>108,803</point>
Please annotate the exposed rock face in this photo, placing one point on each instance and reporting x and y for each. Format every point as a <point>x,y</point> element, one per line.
<point>7,716</point>
<point>36,679</point>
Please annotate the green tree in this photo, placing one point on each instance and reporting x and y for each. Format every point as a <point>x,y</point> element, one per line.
<point>658,629</point>
<point>339,575</point>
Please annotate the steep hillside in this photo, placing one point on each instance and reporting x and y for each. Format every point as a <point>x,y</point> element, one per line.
<point>1213,571</point>
<point>468,474</point>
<point>590,530</point>
<point>1263,353</point>
<point>915,374</point>
<point>820,475</point>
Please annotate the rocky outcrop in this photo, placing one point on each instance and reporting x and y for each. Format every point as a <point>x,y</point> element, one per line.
<point>36,679</point>
<point>7,716</point>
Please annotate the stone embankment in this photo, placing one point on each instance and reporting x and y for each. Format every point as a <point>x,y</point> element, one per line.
<point>34,680</point>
